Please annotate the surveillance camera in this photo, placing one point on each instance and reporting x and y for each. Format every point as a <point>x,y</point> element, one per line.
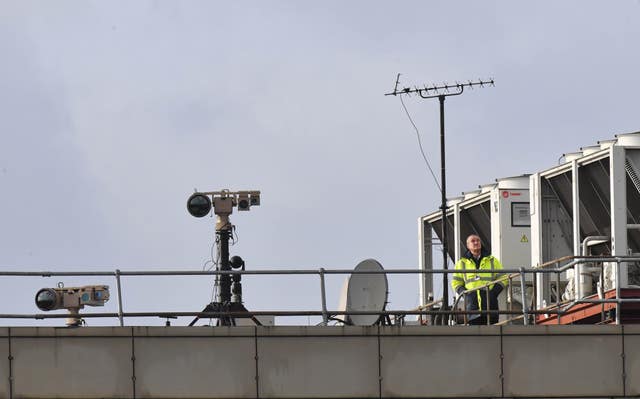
<point>72,298</point>
<point>222,203</point>
<point>199,205</point>
<point>243,202</point>
<point>254,198</point>
<point>236,262</point>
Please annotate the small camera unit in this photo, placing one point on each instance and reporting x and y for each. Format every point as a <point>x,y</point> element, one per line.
<point>73,299</point>
<point>254,198</point>
<point>243,202</point>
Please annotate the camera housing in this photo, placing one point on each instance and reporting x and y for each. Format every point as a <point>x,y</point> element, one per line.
<point>72,297</point>
<point>223,205</point>
<point>222,202</point>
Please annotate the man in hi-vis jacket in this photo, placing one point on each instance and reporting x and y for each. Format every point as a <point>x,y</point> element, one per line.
<point>476,268</point>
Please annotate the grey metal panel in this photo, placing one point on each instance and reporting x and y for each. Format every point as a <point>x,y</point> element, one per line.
<point>426,261</point>
<point>441,366</point>
<point>437,228</point>
<point>72,367</point>
<point>632,362</point>
<point>4,363</point>
<point>556,216</point>
<point>556,361</point>
<point>595,203</point>
<point>196,367</point>
<point>633,199</point>
<point>295,363</point>
<point>476,220</point>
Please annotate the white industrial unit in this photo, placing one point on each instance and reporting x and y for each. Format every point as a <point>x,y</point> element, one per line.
<point>498,213</point>
<point>587,205</point>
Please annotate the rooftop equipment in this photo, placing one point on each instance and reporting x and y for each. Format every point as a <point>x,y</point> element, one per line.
<point>364,292</point>
<point>497,212</point>
<point>588,205</point>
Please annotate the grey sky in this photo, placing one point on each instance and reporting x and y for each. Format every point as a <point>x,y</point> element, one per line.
<point>112,112</point>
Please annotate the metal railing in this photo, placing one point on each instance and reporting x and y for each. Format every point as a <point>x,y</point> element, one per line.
<point>560,308</point>
<point>432,309</point>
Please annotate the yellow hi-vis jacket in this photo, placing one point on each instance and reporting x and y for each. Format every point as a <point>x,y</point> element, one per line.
<point>468,277</point>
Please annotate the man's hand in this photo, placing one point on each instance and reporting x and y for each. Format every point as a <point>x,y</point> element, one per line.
<point>497,289</point>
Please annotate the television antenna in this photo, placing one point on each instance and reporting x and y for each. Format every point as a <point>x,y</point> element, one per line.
<point>441,92</point>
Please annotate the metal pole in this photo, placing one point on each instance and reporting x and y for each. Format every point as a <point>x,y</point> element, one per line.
<point>443,207</point>
<point>325,316</point>
<point>618,306</point>
<point>441,92</point>
<point>558,295</point>
<point>120,316</point>
<point>225,279</point>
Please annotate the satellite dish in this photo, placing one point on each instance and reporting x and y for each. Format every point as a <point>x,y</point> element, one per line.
<point>366,293</point>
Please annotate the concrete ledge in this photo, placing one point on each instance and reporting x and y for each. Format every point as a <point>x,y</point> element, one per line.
<point>320,362</point>
<point>4,366</point>
<point>71,367</point>
<point>332,366</point>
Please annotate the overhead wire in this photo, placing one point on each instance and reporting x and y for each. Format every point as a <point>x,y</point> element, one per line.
<point>435,179</point>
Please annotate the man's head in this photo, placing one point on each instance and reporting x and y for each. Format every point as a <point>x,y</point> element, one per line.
<point>474,245</point>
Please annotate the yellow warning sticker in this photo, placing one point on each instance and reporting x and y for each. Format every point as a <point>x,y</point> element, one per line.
<point>524,238</point>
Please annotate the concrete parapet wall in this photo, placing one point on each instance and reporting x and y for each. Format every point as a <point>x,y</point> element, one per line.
<point>320,362</point>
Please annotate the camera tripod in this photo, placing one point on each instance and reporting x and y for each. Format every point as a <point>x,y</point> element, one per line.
<point>226,306</point>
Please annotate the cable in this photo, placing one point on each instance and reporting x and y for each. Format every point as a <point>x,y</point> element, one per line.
<point>214,290</point>
<point>211,259</point>
<point>214,293</point>
<point>420,144</point>
<point>234,236</point>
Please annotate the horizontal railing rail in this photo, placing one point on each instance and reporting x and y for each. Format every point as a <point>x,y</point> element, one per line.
<point>431,309</point>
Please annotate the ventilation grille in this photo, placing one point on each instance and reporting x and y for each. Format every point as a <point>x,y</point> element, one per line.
<point>632,174</point>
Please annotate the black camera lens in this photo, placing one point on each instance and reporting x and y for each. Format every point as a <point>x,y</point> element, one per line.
<point>46,299</point>
<point>199,205</point>
<point>236,262</point>
<point>243,204</point>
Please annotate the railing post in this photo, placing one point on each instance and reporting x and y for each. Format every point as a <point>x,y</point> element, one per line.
<point>489,310</point>
<point>558,296</point>
<point>510,298</point>
<point>120,313</point>
<point>617,291</point>
<point>325,316</point>
<point>525,311</point>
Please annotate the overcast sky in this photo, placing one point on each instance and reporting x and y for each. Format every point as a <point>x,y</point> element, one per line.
<point>111,113</point>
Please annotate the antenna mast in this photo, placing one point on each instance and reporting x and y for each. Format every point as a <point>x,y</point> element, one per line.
<point>441,92</point>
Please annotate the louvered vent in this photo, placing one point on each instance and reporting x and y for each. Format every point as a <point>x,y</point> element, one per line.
<point>632,174</point>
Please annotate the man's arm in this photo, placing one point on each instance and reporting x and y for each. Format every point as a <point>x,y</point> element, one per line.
<point>457,281</point>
